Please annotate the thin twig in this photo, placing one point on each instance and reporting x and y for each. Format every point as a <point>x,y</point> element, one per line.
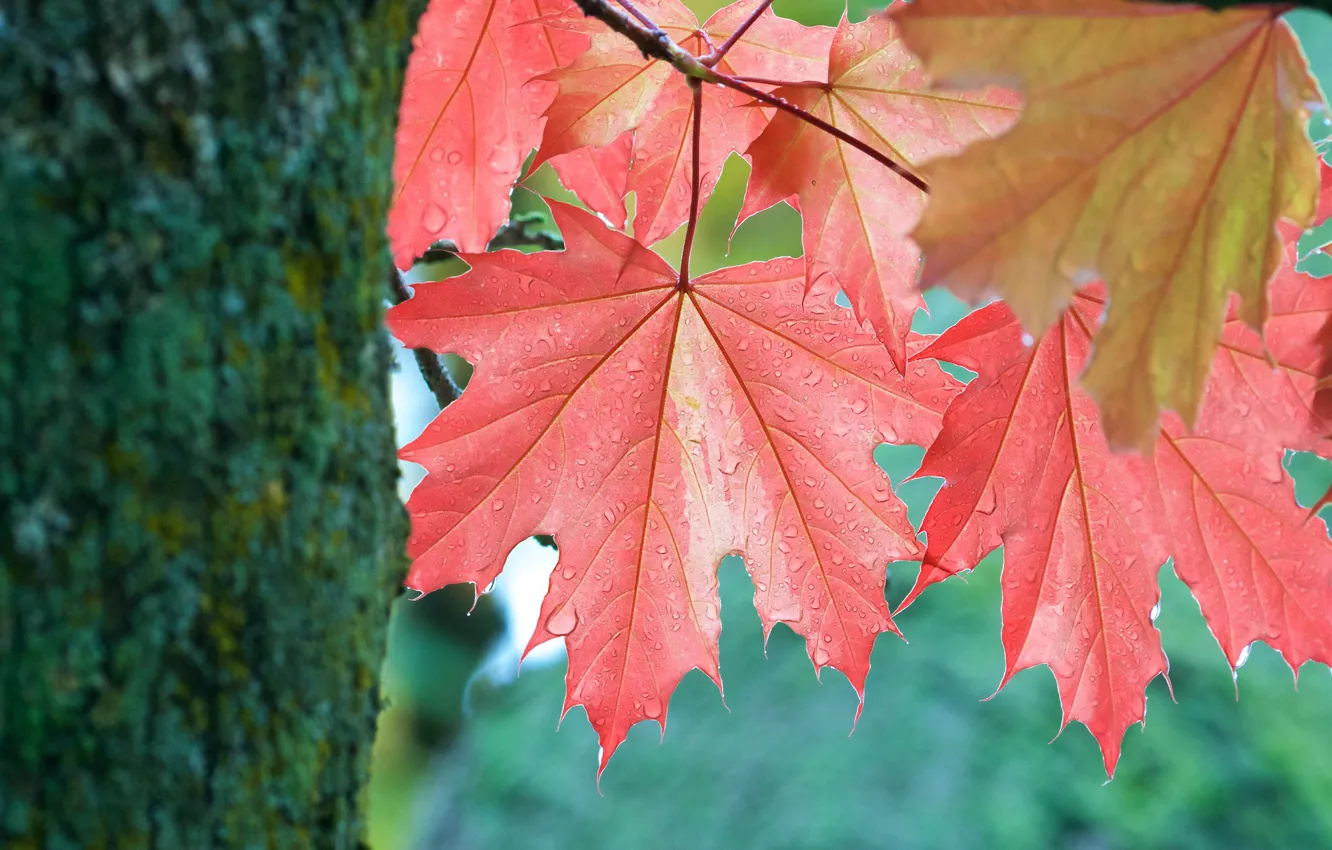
<point>786,106</point>
<point>717,55</point>
<point>634,10</point>
<point>650,39</point>
<point>527,230</point>
<point>707,39</point>
<point>656,44</point>
<point>782,84</point>
<point>436,377</point>
<point>520,231</point>
<point>695,189</point>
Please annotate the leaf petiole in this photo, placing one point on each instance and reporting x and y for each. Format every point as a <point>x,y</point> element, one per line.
<point>694,191</point>
<point>718,54</point>
<point>782,84</point>
<point>637,13</point>
<point>786,106</point>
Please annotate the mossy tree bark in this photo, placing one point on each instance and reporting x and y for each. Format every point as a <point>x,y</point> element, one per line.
<point>199,534</point>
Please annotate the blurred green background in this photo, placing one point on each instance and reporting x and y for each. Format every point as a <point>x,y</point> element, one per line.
<point>468,757</point>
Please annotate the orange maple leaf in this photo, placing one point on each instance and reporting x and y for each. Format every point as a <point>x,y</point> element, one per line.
<point>1158,148</point>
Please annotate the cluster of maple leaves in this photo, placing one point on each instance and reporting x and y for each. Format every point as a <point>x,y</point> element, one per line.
<point>1137,206</point>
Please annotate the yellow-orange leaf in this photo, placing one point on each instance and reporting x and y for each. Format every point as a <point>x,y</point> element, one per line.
<point>1158,147</point>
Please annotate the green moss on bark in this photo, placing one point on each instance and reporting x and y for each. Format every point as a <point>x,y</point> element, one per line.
<point>199,536</point>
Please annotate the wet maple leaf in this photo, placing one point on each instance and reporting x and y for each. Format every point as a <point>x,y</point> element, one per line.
<point>1084,540</point>
<point>1158,147</point>
<point>1259,566</point>
<point>1275,383</point>
<point>1025,464</point>
<point>601,175</point>
<point>856,213</point>
<point>652,429</point>
<point>469,116</point>
<point>612,89</point>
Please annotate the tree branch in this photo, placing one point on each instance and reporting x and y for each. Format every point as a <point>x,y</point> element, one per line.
<point>437,378</point>
<point>651,41</point>
<point>519,232</point>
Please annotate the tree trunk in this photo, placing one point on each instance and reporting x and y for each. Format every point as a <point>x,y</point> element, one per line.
<point>199,534</point>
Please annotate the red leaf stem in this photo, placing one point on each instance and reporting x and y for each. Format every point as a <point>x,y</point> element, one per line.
<point>786,106</point>
<point>694,189</point>
<point>716,56</point>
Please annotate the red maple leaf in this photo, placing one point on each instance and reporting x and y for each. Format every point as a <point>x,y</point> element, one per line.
<point>612,89</point>
<point>1026,465</point>
<point>601,175</point>
<point>653,427</point>
<point>856,212</point>
<point>1288,407</point>
<point>469,117</point>
<point>1085,531</point>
